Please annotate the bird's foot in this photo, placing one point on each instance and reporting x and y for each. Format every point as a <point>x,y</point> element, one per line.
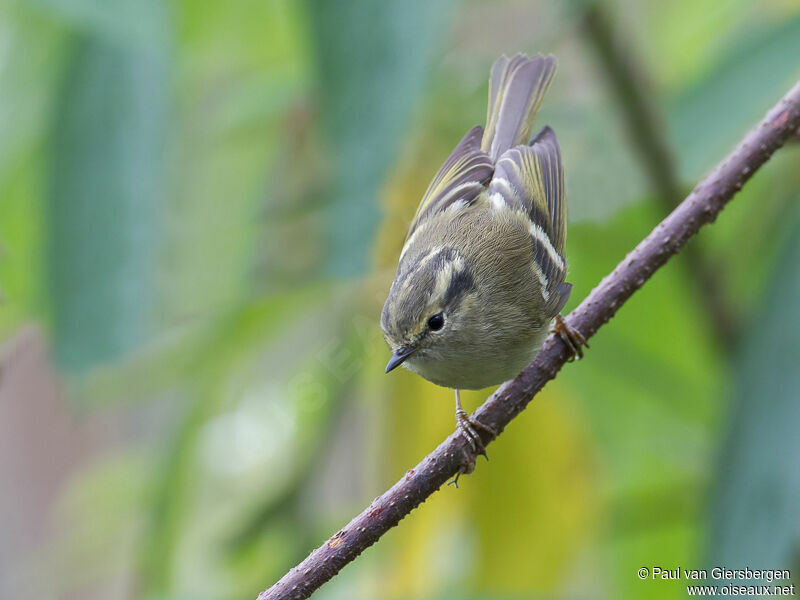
<point>469,426</point>
<point>572,338</point>
<point>469,429</point>
<point>467,467</point>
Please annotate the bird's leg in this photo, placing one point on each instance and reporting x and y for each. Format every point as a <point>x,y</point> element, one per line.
<point>571,337</point>
<point>469,426</point>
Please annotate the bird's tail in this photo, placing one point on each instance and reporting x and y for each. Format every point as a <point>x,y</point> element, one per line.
<point>516,89</point>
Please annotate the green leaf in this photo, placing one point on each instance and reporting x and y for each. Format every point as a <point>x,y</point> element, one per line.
<point>707,119</point>
<point>26,104</point>
<point>26,86</point>
<point>239,76</point>
<point>754,505</point>
<point>119,21</point>
<point>372,58</point>
<point>104,193</point>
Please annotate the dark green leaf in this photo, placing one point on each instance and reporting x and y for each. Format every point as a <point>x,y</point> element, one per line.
<point>371,58</point>
<point>754,506</point>
<point>119,21</point>
<point>105,186</point>
<point>709,118</point>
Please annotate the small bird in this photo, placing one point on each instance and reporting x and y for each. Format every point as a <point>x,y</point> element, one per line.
<point>481,275</point>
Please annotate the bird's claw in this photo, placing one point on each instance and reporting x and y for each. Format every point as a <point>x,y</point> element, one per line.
<point>469,429</point>
<point>572,338</point>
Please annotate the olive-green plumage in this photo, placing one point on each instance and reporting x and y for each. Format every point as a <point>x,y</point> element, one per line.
<point>481,275</point>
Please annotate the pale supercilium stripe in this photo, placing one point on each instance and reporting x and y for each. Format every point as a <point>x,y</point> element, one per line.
<point>410,240</point>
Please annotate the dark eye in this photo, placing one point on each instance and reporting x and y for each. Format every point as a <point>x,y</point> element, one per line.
<point>436,322</point>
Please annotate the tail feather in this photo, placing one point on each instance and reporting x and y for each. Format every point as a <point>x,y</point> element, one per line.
<point>516,89</point>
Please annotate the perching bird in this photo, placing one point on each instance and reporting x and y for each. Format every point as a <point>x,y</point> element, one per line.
<point>481,274</point>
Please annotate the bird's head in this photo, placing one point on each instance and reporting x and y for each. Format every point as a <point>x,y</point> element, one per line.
<point>428,307</point>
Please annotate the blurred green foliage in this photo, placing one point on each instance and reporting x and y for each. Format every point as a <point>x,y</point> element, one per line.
<point>368,90</point>
<point>106,181</point>
<point>758,484</point>
<point>203,205</point>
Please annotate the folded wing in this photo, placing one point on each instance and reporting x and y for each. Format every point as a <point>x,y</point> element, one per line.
<point>530,179</point>
<point>460,180</point>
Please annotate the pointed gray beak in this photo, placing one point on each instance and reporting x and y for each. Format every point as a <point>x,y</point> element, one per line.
<point>399,357</point>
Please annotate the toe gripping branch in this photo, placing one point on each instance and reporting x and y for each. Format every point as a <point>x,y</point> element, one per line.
<point>572,338</point>
<point>468,427</point>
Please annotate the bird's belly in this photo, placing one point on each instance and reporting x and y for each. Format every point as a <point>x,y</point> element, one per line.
<point>479,372</point>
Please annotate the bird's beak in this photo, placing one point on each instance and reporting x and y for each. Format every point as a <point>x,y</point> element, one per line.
<point>399,357</point>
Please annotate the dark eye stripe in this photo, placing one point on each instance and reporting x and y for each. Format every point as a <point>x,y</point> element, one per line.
<point>461,284</point>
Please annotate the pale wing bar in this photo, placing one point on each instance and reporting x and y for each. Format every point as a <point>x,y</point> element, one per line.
<point>530,179</point>
<point>462,177</point>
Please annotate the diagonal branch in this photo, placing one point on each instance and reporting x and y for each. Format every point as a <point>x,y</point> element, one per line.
<point>700,208</point>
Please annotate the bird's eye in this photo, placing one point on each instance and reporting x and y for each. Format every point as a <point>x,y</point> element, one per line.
<point>436,322</point>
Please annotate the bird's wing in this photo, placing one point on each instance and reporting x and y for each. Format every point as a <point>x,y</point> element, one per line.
<point>530,179</point>
<point>461,179</point>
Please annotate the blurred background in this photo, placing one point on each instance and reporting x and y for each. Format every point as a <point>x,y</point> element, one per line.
<point>201,209</point>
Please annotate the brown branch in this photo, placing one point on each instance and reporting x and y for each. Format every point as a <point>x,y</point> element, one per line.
<point>701,207</point>
<point>628,82</point>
